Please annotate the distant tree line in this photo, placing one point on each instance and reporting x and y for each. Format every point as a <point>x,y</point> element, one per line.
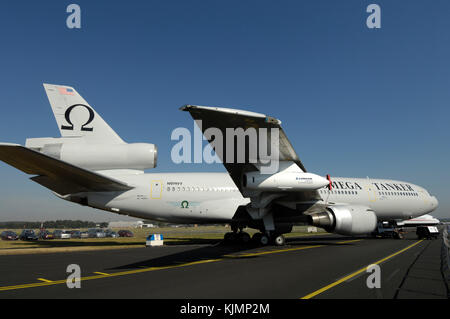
<point>52,224</point>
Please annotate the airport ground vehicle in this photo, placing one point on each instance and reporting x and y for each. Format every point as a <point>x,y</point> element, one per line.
<point>9,235</point>
<point>387,230</point>
<point>28,235</point>
<point>427,232</point>
<point>45,234</point>
<point>62,234</point>
<point>96,233</point>
<point>125,233</point>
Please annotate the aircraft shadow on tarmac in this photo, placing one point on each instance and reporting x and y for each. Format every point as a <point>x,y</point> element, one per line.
<point>219,250</point>
<point>68,243</point>
<point>169,242</point>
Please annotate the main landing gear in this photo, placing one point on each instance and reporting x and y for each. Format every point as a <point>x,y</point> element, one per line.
<point>237,237</point>
<point>258,238</point>
<point>264,239</point>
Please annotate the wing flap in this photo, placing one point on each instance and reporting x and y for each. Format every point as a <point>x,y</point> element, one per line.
<point>59,176</point>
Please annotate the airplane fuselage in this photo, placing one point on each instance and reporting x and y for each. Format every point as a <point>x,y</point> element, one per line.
<point>214,198</point>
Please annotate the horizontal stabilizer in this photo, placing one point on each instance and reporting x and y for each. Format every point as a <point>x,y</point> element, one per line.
<point>61,177</point>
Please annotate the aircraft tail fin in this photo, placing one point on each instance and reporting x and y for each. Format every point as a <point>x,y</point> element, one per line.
<point>76,118</point>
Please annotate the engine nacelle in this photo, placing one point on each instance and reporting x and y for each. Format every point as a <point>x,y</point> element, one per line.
<point>138,156</point>
<point>346,220</point>
<point>284,180</point>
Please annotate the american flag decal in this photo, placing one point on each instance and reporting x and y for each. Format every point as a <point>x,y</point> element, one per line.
<point>66,91</point>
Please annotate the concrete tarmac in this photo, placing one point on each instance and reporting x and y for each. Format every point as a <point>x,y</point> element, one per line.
<point>307,267</point>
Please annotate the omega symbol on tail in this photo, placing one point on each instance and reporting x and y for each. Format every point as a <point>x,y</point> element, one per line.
<point>83,127</point>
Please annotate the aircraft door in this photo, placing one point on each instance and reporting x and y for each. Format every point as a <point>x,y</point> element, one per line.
<point>371,192</point>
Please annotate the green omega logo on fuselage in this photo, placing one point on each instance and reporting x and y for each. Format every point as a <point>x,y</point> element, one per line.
<point>185,204</point>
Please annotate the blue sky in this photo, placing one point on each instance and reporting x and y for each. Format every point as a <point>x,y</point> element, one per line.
<point>353,101</point>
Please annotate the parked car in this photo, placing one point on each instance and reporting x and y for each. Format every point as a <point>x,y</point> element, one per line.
<point>110,233</point>
<point>45,234</point>
<point>9,235</point>
<point>75,234</point>
<point>125,233</point>
<point>28,234</point>
<point>96,233</point>
<point>62,234</point>
<point>84,234</point>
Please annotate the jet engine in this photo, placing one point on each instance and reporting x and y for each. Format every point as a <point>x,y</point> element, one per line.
<point>345,220</point>
<point>137,156</point>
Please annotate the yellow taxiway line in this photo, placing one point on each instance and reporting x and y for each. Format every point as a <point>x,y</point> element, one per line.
<point>44,280</point>
<point>348,241</point>
<point>337,282</point>
<point>100,275</point>
<point>270,252</point>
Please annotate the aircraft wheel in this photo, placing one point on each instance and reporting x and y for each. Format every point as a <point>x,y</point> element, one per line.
<point>279,240</point>
<point>229,237</point>
<point>257,237</point>
<point>264,240</point>
<point>244,237</point>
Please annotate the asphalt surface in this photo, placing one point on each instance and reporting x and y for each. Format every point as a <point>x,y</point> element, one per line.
<point>308,267</point>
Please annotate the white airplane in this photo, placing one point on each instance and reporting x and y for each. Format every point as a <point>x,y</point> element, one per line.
<point>91,165</point>
<point>425,220</point>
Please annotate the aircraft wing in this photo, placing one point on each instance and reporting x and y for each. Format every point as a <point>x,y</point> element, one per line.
<point>223,118</point>
<point>61,177</point>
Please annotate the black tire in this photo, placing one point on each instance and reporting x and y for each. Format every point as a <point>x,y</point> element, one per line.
<point>264,240</point>
<point>229,238</point>
<point>244,237</point>
<point>257,238</point>
<point>279,240</point>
